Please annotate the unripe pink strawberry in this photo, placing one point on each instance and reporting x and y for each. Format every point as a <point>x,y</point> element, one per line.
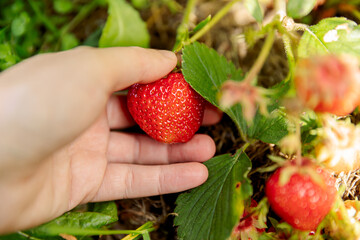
<point>329,83</point>
<point>168,110</point>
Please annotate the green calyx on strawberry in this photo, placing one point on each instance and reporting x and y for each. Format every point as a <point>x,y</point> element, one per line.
<point>301,195</point>
<point>168,110</point>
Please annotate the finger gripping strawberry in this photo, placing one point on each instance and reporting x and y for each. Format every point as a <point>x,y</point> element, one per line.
<point>301,201</point>
<point>168,110</point>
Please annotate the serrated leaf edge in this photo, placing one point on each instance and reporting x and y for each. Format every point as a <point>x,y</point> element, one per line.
<point>235,158</point>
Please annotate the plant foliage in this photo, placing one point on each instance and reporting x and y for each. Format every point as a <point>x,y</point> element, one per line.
<point>212,210</point>
<point>206,71</point>
<point>119,31</point>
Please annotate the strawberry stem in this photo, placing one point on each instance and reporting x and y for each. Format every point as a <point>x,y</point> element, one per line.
<point>290,55</point>
<point>298,134</point>
<point>255,69</point>
<point>245,146</point>
<point>220,14</point>
<point>27,236</point>
<point>184,25</point>
<point>280,7</point>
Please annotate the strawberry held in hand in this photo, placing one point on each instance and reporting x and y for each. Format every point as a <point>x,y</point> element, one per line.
<point>306,196</point>
<point>168,110</point>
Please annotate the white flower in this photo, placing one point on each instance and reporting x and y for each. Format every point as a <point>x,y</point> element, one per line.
<point>339,147</point>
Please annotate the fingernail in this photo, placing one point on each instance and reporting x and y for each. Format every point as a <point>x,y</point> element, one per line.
<point>168,54</point>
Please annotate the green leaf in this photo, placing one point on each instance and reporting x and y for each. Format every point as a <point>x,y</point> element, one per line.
<point>212,210</point>
<point>201,24</point>
<point>140,4</point>
<point>269,130</point>
<point>69,41</point>
<point>254,8</point>
<point>19,24</point>
<point>63,6</point>
<point>101,214</point>
<point>331,35</point>
<point>93,39</point>
<point>7,56</point>
<point>107,208</point>
<point>206,71</point>
<point>309,126</point>
<point>124,27</point>
<point>299,8</point>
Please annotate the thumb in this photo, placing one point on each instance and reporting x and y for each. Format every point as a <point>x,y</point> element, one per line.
<point>69,88</point>
<point>128,65</point>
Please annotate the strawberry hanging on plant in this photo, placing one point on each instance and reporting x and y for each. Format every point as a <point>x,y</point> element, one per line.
<point>302,195</point>
<point>168,110</point>
<point>329,83</point>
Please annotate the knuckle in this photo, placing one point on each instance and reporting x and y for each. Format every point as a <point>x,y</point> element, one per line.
<point>161,185</point>
<point>129,182</point>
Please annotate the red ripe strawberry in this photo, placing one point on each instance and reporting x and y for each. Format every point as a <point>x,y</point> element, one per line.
<point>305,198</point>
<point>329,83</point>
<point>168,110</point>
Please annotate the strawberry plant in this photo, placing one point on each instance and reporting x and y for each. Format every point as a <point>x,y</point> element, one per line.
<point>276,115</point>
<point>305,124</point>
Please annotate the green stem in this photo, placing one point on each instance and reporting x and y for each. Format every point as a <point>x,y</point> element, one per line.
<point>241,133</point>
<point>182,29</point>
<point>266,48</point>
<point>48,24</point>
<point>188,10</point>
<point>245,146</point>
<point>77,231</point>
<point>290,55</point>
<point>298,135</point>
<point>146,236</point>
<point>264,53</point>
<point>27,236</point>
<point>83,13</point>
<point>356,14</point>
<point>220,14</point>
<point>280,7</point>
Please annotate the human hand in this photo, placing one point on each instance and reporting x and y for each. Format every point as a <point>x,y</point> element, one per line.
<point>57,147</point>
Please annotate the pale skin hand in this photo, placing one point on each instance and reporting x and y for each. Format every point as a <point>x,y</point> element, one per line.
<point>57,147</point>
